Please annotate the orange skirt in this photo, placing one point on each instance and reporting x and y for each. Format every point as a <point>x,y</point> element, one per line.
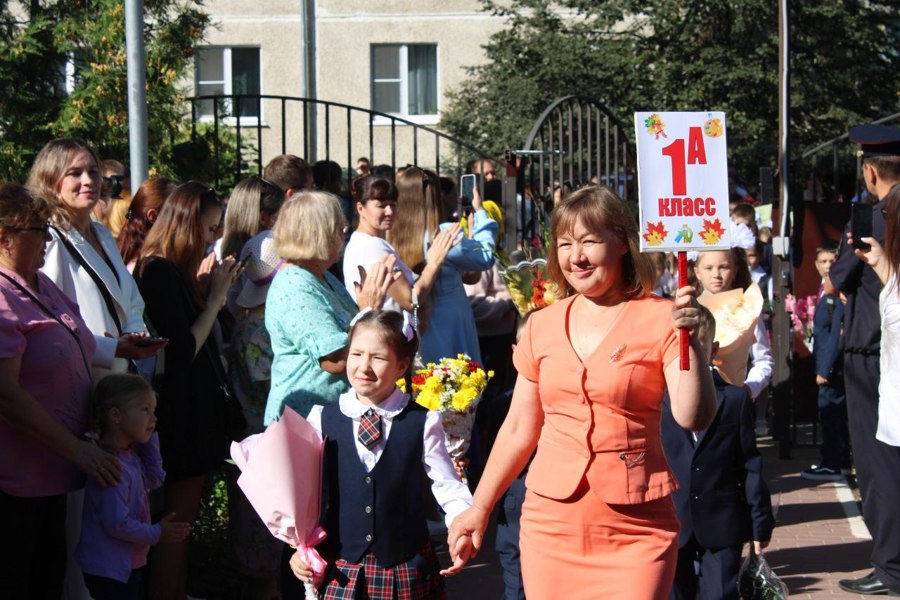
<point>584,549</point>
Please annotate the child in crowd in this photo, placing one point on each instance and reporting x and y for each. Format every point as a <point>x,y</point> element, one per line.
<point>722,500</point>
<point>116,532</point>
<point>828,321</point>
<point>378,545</point>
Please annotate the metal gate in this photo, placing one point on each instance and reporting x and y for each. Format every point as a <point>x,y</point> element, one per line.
<point>575,142</point>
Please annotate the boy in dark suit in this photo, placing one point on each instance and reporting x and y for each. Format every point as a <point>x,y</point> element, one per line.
<point>722,500</point>
<point>828,321</point>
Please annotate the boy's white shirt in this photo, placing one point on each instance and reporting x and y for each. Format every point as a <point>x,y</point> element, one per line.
<point>451,494</point>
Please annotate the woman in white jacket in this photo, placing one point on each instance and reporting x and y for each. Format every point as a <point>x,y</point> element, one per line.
<point>83,261</point>
<point>82,258</point>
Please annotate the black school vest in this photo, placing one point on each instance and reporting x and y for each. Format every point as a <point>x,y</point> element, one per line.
<point>381,510</point>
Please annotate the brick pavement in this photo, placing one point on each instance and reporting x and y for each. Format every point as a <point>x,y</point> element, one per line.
<point>819,537</point>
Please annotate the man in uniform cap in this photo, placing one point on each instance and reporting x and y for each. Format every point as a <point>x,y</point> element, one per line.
<point>877,463</point>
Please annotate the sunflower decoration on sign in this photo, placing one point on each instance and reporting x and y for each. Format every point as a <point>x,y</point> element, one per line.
<point>712,232</point>
<point>656,233</point>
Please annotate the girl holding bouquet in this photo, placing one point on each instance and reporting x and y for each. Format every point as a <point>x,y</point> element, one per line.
<point>723,270</point>
<point>378,546</point>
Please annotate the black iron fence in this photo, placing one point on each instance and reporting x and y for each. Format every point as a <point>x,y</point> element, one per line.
<point>832,169</point>
<point>318,130</point>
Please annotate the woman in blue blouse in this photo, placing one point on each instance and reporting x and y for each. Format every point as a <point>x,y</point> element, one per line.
<point>449,327</point>
<point>308,311</point>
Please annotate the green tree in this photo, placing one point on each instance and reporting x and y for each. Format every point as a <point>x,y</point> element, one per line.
<point>37,43</point>
<point>685,55</point>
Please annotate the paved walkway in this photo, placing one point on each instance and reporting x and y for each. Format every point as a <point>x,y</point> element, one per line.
<point>819,539</point>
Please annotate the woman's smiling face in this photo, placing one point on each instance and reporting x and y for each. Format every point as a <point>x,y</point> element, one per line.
<point>79,186</point>
<point>591,261</point>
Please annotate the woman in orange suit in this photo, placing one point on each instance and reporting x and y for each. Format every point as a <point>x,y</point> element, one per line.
<point>598,520</point>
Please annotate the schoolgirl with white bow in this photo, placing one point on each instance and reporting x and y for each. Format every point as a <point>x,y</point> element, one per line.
<point>379,448</point>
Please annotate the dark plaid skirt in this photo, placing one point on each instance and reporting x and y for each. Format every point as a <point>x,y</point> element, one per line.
<point>417,578</point>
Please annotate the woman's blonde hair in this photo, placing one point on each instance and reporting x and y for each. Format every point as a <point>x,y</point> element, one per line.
<point>21,207</point>
<point>597,207</point>
<point>309,226</point>
<point>249,199</point>
<point>418,211</point>
<point>48,169</point>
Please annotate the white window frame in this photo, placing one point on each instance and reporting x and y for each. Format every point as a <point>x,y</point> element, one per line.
<point>227,88</point>
<point>404,86</point>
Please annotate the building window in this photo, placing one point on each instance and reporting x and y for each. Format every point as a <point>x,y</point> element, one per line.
<point>228,71</point>
<point>404,80</point>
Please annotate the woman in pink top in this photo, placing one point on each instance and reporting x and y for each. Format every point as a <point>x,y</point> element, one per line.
<point>45,356</point>
<point>598,520</point>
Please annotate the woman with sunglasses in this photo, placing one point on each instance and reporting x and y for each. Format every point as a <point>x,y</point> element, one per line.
<point>183,304</point>
<point>45,384</point>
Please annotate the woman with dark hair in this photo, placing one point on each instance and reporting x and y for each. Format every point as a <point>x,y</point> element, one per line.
<point>142,213</point>
<point>450,327</point>
<point>598,519</point>
<point>45,384</point>
<point>376,210</point>
<point>183,304</point>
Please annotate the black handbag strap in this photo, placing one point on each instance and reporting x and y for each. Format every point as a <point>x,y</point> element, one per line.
<point>104,291</point>
<point>55,317</point>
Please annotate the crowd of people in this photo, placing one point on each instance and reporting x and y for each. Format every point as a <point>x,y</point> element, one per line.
<point>133,352</point>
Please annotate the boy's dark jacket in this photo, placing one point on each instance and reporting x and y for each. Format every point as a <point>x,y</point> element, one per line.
<point>827,322</point>
<point>722,499</point>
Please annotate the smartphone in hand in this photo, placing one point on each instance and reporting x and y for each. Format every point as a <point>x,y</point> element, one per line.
<point>861,225</point>
<point>149,341</point>
<point>467,185</point>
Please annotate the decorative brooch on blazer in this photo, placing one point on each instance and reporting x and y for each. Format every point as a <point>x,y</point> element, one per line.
<point>616,354</point>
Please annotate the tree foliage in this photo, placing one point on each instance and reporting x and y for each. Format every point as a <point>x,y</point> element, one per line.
<point>685,55</point>
<point>37,42</point>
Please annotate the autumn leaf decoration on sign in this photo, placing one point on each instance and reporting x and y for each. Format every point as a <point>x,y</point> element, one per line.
<point>712,232</point>
<point>656,234</point>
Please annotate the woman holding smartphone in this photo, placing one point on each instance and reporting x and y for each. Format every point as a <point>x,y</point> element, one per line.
<point>183,304</point>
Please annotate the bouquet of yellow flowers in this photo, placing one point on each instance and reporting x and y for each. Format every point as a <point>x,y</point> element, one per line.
<point>453,386</point>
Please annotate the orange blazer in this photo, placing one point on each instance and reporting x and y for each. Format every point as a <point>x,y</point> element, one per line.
<point>601,416</point>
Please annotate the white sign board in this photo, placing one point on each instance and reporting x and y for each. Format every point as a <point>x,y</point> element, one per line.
<point>683,181</point>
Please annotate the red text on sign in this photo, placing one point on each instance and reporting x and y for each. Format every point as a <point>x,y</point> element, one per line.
<point>696,155</point>
<point>687,207</point>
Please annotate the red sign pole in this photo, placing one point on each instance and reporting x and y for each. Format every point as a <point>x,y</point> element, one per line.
<point>684,334</point>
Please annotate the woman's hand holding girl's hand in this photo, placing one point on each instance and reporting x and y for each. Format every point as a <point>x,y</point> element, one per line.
<point>685,312</point>
<point>104,467</point>
<point>465,537</point>
<point>373,285</point>
<point>442,243</point>
<point>461,552</point>
<point>220,279</point>
<point>173,531</point>
<point>302,571</point>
